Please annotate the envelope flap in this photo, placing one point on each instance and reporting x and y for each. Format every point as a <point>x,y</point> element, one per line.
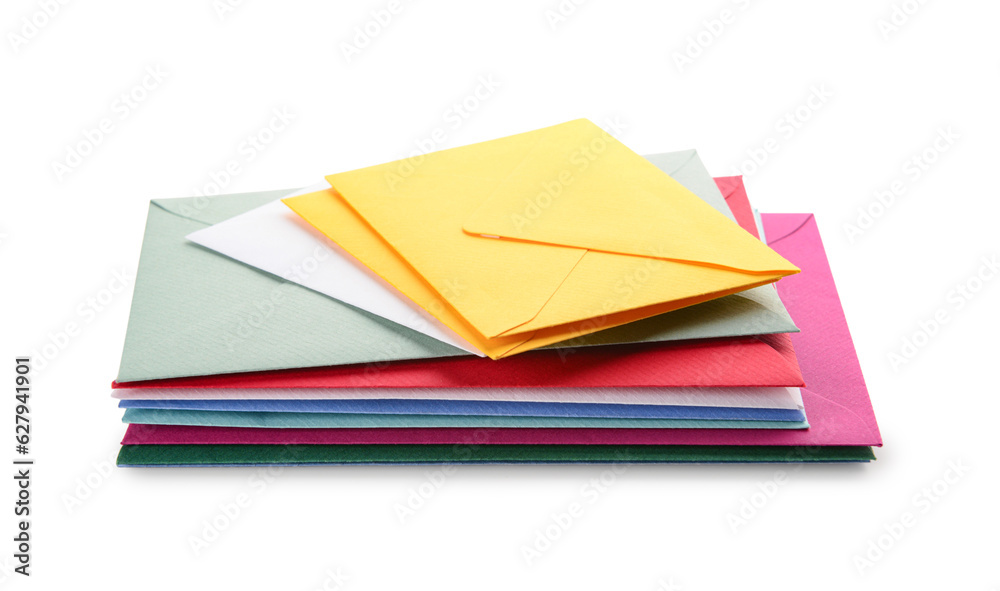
<point>417,207</point>
<point>735,195</point>
<point>195,312</point>
<point>218,208</point>
<point>785,225</point>
<point>686,167</point>
<point>578,186</point>
<point>836,421</point>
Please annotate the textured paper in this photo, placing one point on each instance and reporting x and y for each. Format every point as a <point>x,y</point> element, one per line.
<point>195,312</point>
<point>741,397</point>
<point>245,455</point>
<point>734,193</point>
<point>455,240</point>
<point>837,402</point>
<point>312,420</point>
<point>272,238</point>
<point>755,362</point>
<point>764,361</point>
<point>473,408</point>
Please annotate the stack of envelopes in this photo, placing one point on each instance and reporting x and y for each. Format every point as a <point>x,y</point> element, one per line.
<point>550,296</point>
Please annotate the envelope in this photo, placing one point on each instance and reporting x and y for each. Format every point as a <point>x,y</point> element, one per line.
<point>539,237</point>
<point>475,408</point>
<point>837,402</point>
<point>226,333</point>
<point>305,455</point>
<point>759,361</point>
<point>272,238</point>
<point>195,312</point>
<point>753,312</point>
<point>767,360</point>
<point>743,397</point>
<point>732,190</point>
<point>276,240</point>
<point>284,421</point>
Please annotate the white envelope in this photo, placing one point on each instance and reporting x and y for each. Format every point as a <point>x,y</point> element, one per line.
<point>784,398</point>
<point>276,240</point>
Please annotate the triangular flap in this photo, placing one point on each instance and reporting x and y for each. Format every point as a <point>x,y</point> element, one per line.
<point>728,184</point>
<point>419,217</point>
<point>580,187</point>
<point>686,168</point>
<point>218,208</point>
<point>783,225</point>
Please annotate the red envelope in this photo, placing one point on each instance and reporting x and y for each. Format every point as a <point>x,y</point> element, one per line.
<point>736,198</point>
<point>837,403</point>
<point>766,360</point>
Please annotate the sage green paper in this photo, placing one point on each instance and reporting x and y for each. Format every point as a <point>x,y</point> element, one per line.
<point>195,312</point>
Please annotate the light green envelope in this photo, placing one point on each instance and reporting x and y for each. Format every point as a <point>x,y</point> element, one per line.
<point>196,312</point>
<point>316,420</point>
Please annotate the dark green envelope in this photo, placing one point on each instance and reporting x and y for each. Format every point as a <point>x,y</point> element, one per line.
<point>244,455</point>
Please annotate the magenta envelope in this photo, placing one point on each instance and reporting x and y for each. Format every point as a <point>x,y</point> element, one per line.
<point>836,399</point>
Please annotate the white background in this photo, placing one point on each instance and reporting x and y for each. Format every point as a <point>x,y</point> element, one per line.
<point>63,236</point>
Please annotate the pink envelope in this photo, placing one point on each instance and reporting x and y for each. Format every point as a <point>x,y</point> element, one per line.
<point>836,399</point>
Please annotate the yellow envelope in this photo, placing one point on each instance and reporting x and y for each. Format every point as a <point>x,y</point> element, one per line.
<point>539,237</point>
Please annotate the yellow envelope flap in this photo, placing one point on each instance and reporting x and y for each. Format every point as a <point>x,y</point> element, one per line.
<point>579,187</point>
<point>418,205</point>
